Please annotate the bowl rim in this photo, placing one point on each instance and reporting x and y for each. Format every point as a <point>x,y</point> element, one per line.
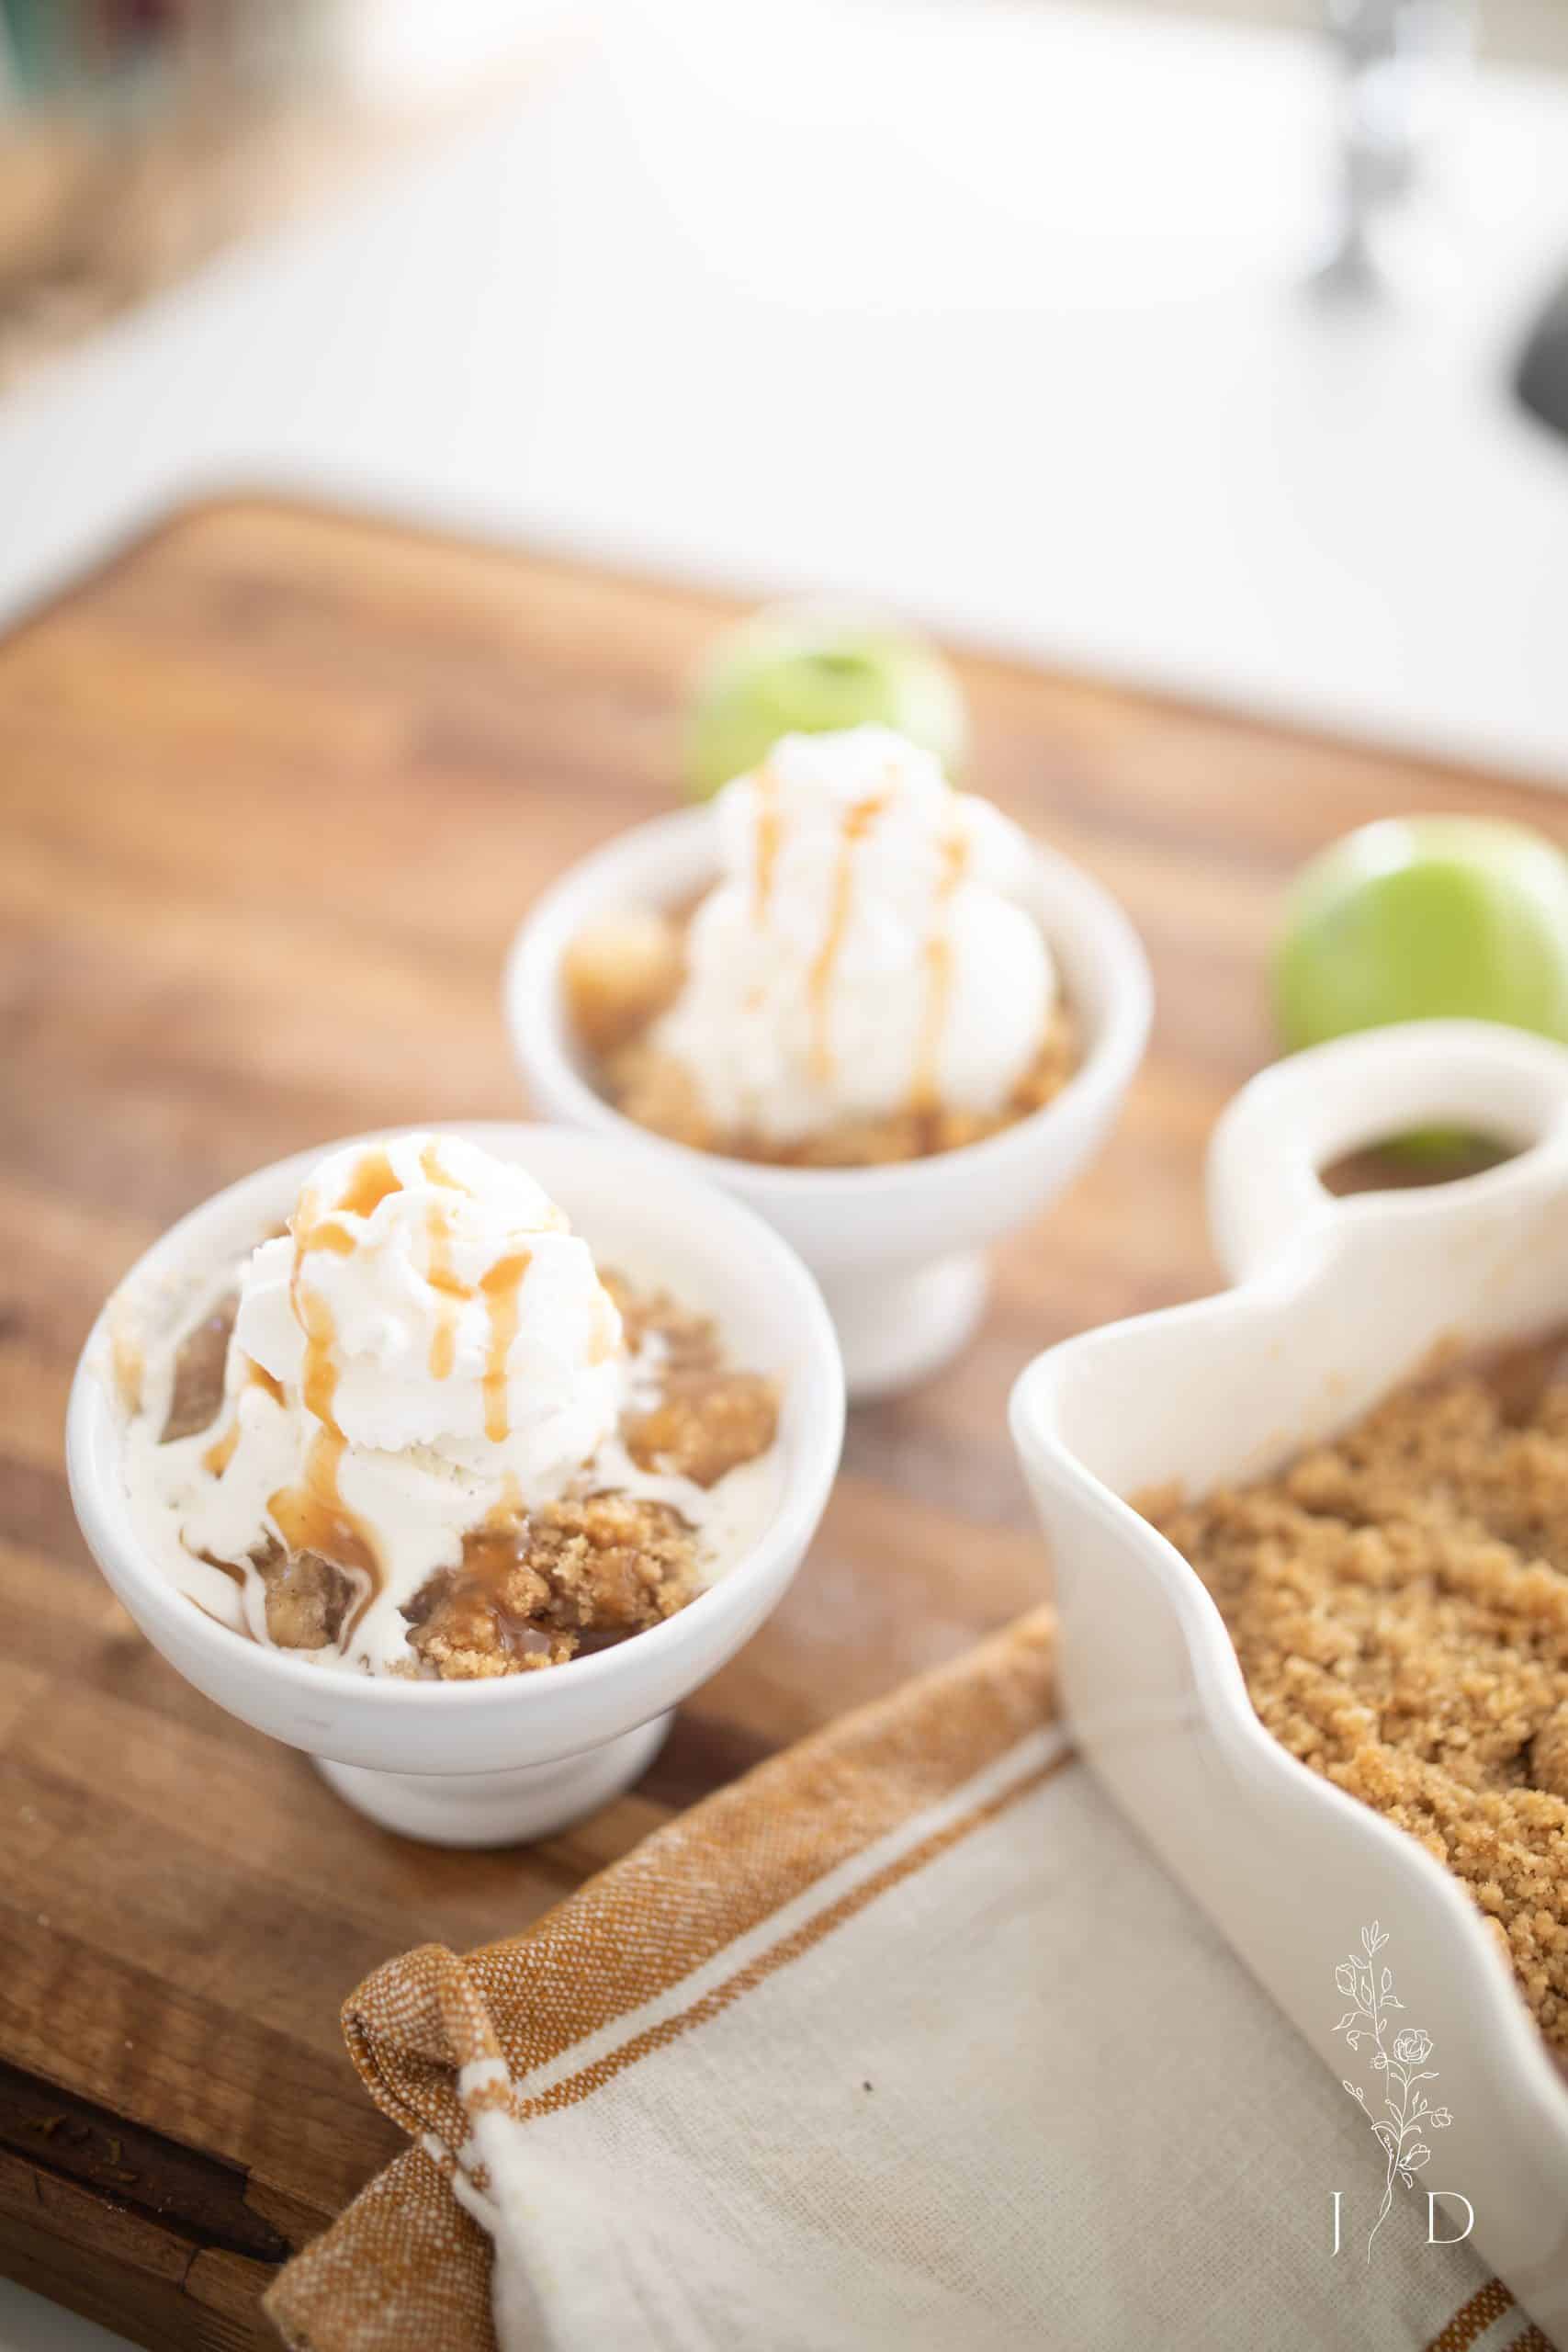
<point>106,1524</point>
<point>530,999</point>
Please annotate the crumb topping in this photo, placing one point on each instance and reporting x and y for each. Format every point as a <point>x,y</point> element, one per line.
<point>535,1587</point>
<point>619,974</point>
<point>1399,1605</point>
<point>307,1597</point>
<point>706,1423</point>
<point>573,1575</point>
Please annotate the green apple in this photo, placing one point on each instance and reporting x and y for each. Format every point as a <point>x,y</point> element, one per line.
<point>1416,918</point>
<point>797,669</point>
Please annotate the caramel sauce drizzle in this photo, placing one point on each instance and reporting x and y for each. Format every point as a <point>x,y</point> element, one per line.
<point>501,1287</point>
<point>857,824</point>
<point>436,1173</point>
<point>335,1237</point>
<point>601,1347</point>
<point>507,1508</point>
<point>129,1365</point>
<point>767,833</point>
<point>489,1556</point>
<point>925,1092</point>
<point>441,1277</point>
<point>236,1576</point>
<point>313,1516</point>
<point>372,1181</point>
<point>221,1452</point>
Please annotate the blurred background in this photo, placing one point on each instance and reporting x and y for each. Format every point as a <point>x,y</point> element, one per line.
<point>139,136</point>
<point>1217,351</point>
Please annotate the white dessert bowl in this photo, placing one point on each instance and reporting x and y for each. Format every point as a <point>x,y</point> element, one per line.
<point>490,1762</point>
<point>899,1250</point>
<point>1335,1302</point>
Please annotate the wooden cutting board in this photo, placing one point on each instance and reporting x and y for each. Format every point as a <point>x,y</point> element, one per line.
<point>275,789</point>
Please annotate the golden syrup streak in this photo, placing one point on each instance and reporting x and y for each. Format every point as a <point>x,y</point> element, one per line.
<point>372,1181</point>
<point>450,1292</point>
<point>502,1288</point>
<point>602,1346</point>
<point>434,1172</point>
<point>925,1092</point>
<point>329,1236</point>
<point>221,1452</point>
<point>313,1517</point>
<point>130,1365</point>
<point>507,1509</point>
<point>767,839</point>
<point>857,824</point>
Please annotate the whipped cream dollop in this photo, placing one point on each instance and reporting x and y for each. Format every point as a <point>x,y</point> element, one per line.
<point>866,950</point>
<point>429,1296</point>
<point>428,1344</point>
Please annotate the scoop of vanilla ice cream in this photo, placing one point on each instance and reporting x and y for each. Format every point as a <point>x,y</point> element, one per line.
<point>865,949</point>
<point>429,1296</point>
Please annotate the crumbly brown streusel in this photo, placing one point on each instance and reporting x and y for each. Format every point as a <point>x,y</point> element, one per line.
<point>689,1339</point>
<point>307,1597</point>
<point>548,1584</point>
<point>1399,1604</point>
<point>706,1423</point>
<point>573,1576</point>
<point>624,971</point>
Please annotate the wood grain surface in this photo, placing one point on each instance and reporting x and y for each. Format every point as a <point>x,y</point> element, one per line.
<point>275,789</point>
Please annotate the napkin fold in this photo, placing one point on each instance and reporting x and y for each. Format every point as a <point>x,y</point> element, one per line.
<point>904,2038</point>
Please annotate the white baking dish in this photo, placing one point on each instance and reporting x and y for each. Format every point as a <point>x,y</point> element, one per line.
<point>1335,1301</point>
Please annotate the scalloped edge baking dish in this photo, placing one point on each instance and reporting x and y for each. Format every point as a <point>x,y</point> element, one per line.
<point>1335,1302</point>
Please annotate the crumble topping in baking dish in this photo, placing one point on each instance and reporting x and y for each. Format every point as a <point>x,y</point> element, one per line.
<point>1399,1603</point>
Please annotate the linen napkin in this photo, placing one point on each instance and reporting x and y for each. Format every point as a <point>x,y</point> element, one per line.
<point>903,2040</point>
